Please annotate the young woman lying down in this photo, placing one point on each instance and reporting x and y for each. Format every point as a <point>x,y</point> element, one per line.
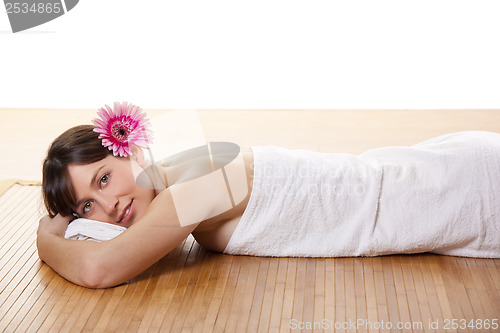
<point>440,195</point>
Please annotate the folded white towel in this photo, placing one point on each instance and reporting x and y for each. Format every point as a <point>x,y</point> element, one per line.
<point>84,229</point>
<point>440,196</point>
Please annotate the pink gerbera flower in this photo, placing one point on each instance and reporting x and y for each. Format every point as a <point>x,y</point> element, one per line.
<point>122,127</point>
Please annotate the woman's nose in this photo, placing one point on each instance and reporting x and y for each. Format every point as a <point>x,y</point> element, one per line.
<point>109,204</point>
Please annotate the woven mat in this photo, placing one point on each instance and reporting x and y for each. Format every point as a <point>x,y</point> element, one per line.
<point>7,183</point>
<point>193,289</point>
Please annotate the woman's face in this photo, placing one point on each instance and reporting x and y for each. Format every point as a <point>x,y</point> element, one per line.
<point>106,191</point>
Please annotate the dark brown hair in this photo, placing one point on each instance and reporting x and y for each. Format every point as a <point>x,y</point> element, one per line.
<point>77,145</point>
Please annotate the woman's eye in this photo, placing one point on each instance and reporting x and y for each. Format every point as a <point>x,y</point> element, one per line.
<point>104,179</point>
<point>87,206</point>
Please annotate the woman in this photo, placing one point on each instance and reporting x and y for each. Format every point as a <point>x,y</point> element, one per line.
<point>70,186</point>
<point>439,196</point>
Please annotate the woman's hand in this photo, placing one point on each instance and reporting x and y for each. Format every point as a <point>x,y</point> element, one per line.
<point>56,226</point>
<point>48,228</point>
<point>71,259</point>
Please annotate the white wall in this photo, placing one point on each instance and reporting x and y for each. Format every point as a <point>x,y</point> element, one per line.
<point>257,54</point>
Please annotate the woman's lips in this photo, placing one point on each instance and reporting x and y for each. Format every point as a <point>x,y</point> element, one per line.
<point>127,212</point>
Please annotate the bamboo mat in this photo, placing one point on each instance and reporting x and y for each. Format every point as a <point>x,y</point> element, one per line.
<point>193,289</point>
<point>7,183</point>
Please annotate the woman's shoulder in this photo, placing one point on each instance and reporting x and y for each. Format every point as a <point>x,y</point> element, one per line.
<point>202,161</point>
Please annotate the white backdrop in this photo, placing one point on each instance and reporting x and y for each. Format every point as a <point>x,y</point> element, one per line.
<point>257,54</point>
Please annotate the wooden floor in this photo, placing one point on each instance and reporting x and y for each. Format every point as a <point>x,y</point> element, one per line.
<point>192,289</point>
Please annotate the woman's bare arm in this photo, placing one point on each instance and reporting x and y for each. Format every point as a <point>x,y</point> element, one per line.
<point>106,264</point>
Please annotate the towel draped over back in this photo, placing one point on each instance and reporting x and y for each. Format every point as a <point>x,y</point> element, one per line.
<point>441,195</point>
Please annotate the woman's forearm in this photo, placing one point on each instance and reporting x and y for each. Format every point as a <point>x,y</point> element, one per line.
<point>73,260</point>
<point>143,244</point>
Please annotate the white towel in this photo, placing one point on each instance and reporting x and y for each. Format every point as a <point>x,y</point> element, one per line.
<point>441,196</point>
<point>308,204</point>
<point>84,229</point>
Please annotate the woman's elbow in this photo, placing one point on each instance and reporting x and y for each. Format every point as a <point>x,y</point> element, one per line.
<point>90,277</point>
<point>96,275</point>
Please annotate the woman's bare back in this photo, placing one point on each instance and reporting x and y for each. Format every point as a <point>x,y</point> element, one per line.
<point>212,233</point>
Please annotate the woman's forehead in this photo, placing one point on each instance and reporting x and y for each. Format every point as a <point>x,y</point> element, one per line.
<point>85,175</point>
<point>82,175</point>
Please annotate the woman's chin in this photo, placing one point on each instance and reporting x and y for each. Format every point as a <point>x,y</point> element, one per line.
<point>136,216</point>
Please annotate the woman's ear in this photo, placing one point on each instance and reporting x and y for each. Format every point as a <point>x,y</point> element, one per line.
<point>147,176</point>
<point>137,154</point>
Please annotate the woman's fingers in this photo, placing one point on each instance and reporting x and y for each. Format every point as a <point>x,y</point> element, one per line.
<point>63,219</point>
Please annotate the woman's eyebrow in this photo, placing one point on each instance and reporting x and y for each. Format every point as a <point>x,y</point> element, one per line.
<point>95,175</point>
<point>91,183</point>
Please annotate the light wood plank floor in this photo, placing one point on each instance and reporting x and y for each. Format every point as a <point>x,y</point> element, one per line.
<point>192,289</point>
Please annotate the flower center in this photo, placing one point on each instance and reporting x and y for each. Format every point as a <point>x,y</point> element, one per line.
<point>120,132</point>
